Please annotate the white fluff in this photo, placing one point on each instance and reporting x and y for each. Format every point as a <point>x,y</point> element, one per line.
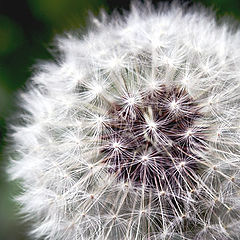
<point>68,191</point>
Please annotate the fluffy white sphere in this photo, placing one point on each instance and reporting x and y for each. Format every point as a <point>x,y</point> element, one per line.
<point>133,131</point>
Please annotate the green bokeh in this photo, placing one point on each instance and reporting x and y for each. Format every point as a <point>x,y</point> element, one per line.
<point>224,7</point>
<point>24,38</point>
<point>63,14</point>
<point>11,35</point>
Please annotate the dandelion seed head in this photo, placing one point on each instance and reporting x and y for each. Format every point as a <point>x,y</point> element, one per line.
<point>134,132</point>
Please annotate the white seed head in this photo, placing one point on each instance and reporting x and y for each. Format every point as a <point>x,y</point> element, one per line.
<point>133,133</point>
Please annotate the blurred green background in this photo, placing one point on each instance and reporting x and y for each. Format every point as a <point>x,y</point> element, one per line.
<point>27,28</point>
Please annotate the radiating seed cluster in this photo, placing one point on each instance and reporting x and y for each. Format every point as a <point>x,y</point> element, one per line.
<point>152,141</point>
<point>132,132</point>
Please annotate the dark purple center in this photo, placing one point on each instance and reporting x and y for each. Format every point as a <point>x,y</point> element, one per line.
<point>154,141</point>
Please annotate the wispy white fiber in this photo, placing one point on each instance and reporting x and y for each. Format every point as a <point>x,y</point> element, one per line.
<point>133,131</point>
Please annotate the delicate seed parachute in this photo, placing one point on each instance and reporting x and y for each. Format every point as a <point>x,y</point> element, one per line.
<point>133,131</point>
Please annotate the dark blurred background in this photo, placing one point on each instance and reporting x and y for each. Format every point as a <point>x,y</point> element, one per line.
<point>27,28</point>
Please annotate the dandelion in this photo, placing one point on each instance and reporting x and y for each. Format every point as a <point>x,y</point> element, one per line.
<point>133,132</point>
